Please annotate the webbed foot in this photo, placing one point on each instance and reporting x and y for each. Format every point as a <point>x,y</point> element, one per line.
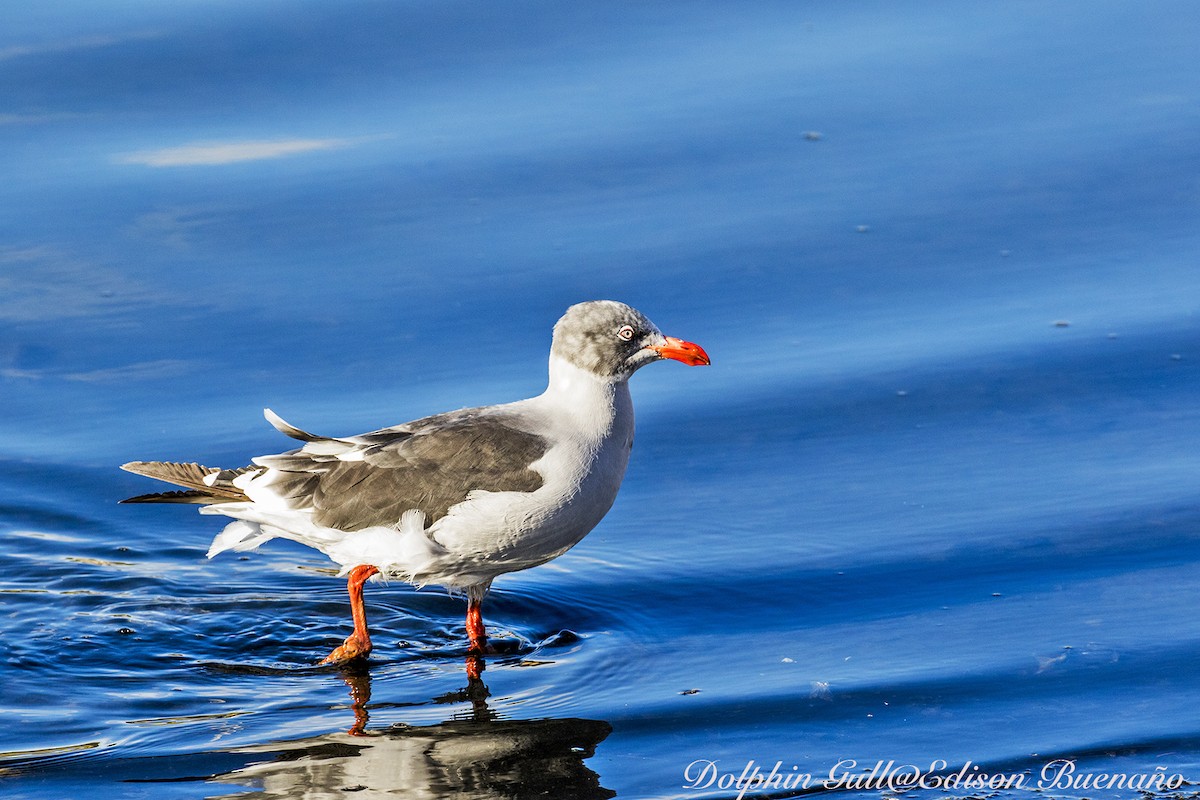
<point>352,649</point>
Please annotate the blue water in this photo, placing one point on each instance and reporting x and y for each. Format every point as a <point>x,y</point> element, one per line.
<point>935,502</point>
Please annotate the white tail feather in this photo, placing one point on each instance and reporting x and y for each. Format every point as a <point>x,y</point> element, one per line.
<point>238,536</point>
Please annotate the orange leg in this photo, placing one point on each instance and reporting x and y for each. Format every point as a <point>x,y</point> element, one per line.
<point>476,633</point>
<point>357,644</point>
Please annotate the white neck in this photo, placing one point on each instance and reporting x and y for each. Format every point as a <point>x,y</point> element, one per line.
<point>594,402</point>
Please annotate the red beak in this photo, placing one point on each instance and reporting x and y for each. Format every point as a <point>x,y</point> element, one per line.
<point>691,354</point>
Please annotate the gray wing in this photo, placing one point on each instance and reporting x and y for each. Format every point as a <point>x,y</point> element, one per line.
<point>430,464</point>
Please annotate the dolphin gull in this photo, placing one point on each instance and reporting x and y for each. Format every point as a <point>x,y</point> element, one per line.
<point>455,499</point>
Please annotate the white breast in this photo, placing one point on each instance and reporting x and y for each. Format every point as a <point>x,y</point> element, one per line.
<point>590,426</point>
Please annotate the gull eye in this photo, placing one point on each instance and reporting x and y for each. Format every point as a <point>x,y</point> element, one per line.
<point>626,333</point>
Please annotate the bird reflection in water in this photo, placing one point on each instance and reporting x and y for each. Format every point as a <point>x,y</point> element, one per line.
<point>473,755</point>
<point>358,678</point>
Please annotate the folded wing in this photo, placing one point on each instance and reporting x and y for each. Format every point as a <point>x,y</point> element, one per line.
<point>428,465</point>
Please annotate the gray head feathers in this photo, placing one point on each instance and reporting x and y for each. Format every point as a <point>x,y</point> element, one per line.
<point>610,339</point>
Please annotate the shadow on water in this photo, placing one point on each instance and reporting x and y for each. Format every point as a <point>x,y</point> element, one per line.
<point>473,754</point>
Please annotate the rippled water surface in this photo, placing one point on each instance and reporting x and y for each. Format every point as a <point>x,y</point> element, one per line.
<point>936,502</point>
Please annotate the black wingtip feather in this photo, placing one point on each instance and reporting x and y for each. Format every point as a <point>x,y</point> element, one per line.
<point>189,496</point>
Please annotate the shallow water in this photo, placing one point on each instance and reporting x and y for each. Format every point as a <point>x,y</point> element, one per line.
<point>935,503</point>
